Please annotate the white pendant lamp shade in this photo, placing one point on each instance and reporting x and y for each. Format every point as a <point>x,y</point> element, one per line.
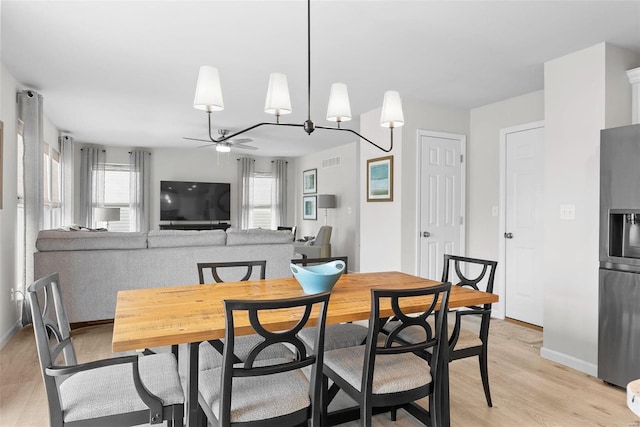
<point>208,91</point>
<point>392,115</point>
<point>278,101</point>
<point>339,109</point>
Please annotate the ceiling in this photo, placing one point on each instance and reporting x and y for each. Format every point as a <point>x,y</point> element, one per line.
<point>124,72</point>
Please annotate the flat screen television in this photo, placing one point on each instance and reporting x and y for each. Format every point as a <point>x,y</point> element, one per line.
<point>195,201</point>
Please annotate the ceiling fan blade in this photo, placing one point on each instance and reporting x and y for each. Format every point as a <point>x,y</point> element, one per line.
<point>207,145</point>
<point>245,147</point>
<point>240,140</point>
<point>198,139</point>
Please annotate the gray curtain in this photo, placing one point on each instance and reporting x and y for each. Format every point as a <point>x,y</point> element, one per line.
<point>92,162</point>
<point>66,149</point>
<point>30,106</point>
<point>140,189</point>
<point>245,175</point>
<point>279,196</point>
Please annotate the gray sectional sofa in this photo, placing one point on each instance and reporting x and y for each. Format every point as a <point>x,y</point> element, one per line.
<point>94,266</point>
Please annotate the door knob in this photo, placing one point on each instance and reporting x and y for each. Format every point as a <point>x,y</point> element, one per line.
<point>426,234</point>
<point>508,235</point>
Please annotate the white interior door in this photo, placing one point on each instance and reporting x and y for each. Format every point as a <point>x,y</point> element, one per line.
<point>440,200</point>
<point>523,223</point>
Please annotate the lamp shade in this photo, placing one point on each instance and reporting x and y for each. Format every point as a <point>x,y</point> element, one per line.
<point>326,201</point>
<point>278,101</point>
<point>208,91</point>
<point>392,115</point>
<point>339,109</point>
<point>107,214</point>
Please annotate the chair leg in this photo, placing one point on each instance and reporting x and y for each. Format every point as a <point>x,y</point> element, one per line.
<point>394,413</point>
<point>482,359</point>
<point>366,413</point>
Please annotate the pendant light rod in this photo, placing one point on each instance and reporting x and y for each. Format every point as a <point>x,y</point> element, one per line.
<point>392,115</point>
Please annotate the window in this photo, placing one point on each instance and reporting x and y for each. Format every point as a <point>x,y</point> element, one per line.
<point>52,179</point>
<point>116,194</point>
<point>260,201</point>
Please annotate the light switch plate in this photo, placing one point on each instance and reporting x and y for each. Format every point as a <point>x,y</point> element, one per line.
<point>494,211</point>
<point>568,212</point>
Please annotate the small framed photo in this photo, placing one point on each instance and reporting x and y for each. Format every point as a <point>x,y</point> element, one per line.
<point>380,179</point>
<point>309,210</point>
<point>310,181</point>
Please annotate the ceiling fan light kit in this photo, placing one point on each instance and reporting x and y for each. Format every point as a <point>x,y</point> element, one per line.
<point>209,98</point>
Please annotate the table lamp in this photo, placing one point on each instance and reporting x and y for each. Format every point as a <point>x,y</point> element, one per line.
<point>107,214</point>
<point>326,201</point>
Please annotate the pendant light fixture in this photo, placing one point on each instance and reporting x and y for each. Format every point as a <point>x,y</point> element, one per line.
<point>209,98</point>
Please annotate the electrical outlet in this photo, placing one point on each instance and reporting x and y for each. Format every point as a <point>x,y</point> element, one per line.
<point>568,212</point>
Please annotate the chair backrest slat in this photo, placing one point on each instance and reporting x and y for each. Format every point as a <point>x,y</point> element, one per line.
<point>459,263</point>
<point>214,268</point>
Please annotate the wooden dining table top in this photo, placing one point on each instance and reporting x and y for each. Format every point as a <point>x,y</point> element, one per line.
<point>164,316</point>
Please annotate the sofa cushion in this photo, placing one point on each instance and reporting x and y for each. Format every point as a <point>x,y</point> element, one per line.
<point>185,238</point>
<point>55,240</point>
<point>257,236</point>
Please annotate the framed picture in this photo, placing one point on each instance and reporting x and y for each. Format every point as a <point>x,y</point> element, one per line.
<point>380,179</point>
<point>309,210</point>
<point>309,181</point>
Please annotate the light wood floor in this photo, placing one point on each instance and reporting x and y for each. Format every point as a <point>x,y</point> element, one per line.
<point>527,390</point>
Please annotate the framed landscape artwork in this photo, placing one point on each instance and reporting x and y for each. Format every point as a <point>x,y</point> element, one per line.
<point>309,210</point>
<point>380,179</point>
<point>309,181</point>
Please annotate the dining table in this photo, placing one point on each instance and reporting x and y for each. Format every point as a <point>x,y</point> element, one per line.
<point>191,314</point>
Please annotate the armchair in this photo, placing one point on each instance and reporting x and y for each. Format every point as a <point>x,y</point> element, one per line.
<point>318,247</point>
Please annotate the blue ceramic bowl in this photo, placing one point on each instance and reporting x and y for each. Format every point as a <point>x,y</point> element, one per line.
<point>315,279</point>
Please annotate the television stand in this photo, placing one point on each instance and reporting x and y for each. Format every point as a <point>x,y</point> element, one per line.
<point>194,226</point>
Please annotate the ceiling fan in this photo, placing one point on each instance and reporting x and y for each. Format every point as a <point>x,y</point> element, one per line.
<point>226,145</point>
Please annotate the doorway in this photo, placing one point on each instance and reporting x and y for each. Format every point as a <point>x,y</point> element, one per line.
<point>521,223</point>
<point>440,200</point>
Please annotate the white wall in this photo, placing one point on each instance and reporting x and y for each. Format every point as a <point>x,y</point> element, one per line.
<point>9,313</point>
<point>380,222</point>
<point>342,181</point>
<point>483,167</point>
<point>177,164</point>
<point>583,94</point>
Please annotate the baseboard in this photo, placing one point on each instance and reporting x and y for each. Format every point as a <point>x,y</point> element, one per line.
<point>9,334</point>
<point>570,361</point>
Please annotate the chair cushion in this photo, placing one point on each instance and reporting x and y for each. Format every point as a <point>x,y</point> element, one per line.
<point>466,339</point>
<point>392,372</point>
<point>336,336</point>
<point>258,398</point>
<point>110,390</point>
<point>210,357</point>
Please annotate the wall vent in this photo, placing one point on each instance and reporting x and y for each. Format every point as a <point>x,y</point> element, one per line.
<point>331,162</point>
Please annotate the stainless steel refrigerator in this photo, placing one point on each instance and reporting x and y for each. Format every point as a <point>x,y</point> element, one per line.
<point>619,286</point>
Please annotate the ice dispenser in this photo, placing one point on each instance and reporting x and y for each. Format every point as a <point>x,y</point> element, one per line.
<point>624,233</point>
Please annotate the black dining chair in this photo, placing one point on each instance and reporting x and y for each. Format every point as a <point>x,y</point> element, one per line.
<point>465,340</point>
<point>386,372</point>
<point>239,271</point>
<point>267,392</point>
<point>127,390</point>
